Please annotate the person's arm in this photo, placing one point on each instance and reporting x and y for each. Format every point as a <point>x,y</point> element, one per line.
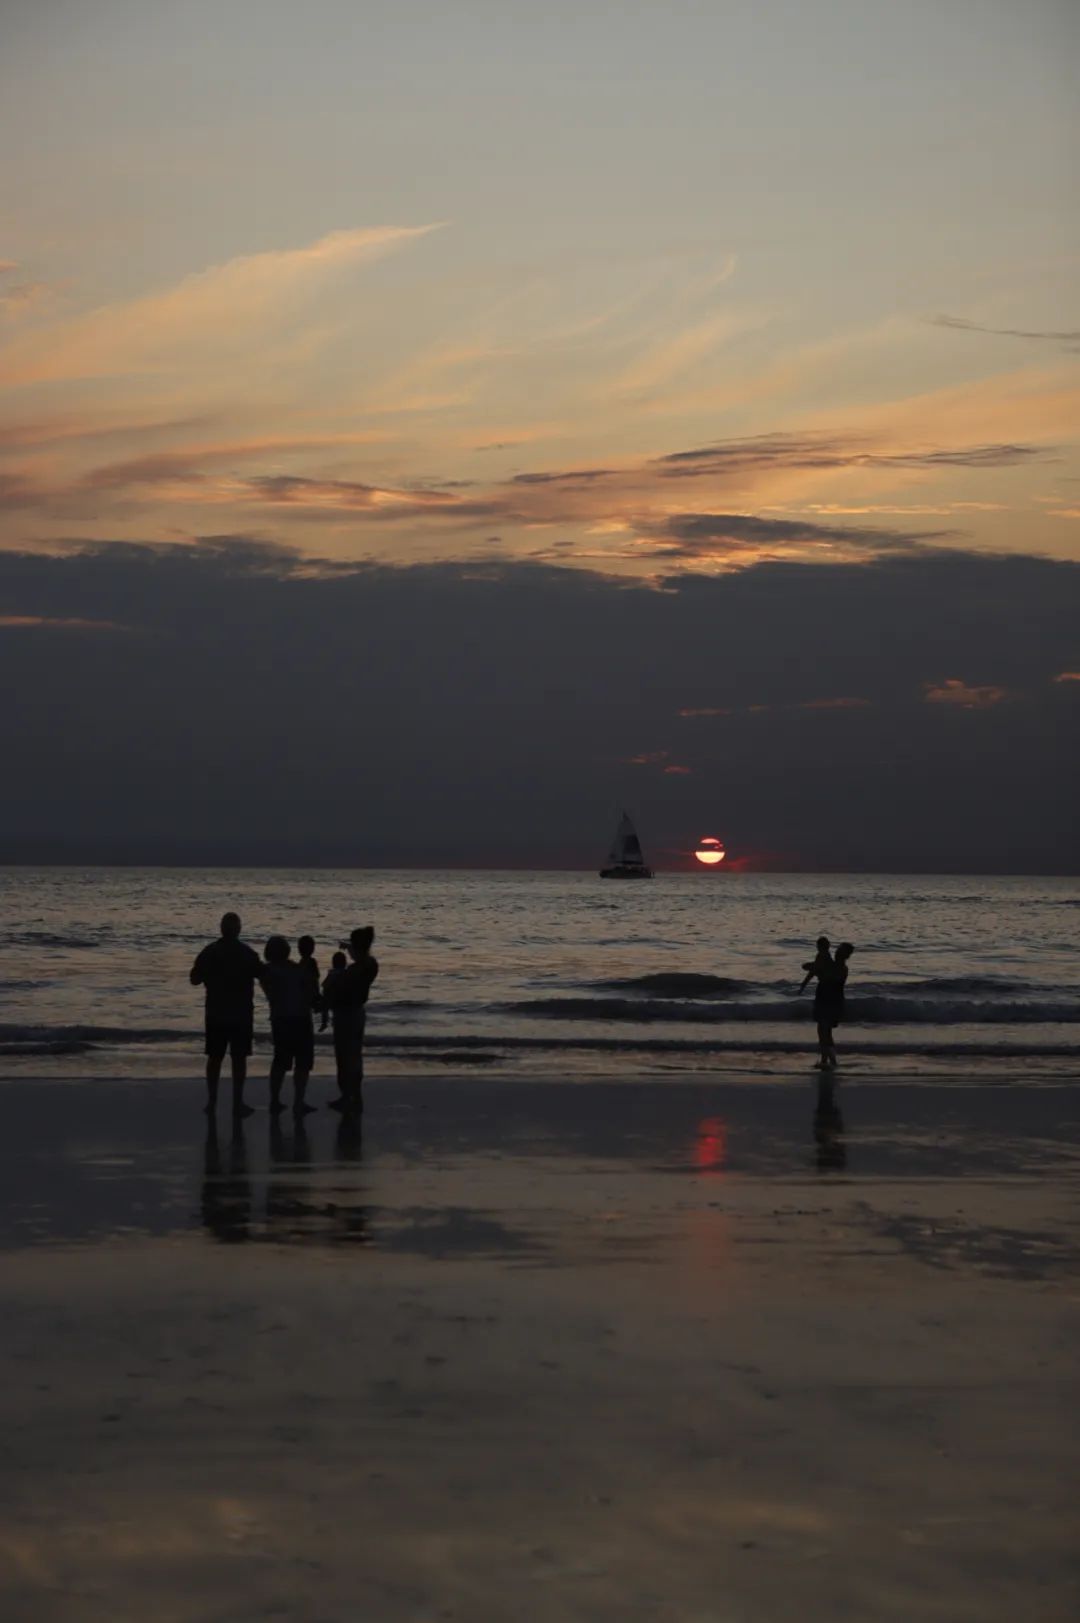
<point>198,970</point>
<point>811,971</point>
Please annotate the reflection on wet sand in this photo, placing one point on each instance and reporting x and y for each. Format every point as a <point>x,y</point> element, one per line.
<point>291,1213</point>
<point>829,1128</point>
<point>226,1190</point>
<point>710,1145</point>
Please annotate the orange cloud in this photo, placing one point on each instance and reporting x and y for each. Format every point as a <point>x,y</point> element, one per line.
<point>207,319</point>
<point>44,622</point>
<point>957,693</point>
<point>1068,676</point>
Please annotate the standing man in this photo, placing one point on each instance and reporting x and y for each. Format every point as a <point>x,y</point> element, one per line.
<point>228,969</point>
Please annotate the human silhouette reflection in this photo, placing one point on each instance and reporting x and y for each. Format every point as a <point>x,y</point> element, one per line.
<point>288,1209</point>
<point>226,1188</point>
<point>352,1221</point>
<point>349,1139</point>
<point>829,1128</point>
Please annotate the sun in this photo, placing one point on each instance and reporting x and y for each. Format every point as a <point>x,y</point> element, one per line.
<point>710,851</point>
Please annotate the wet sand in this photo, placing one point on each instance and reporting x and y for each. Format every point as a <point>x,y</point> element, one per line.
<point>676,1350</point>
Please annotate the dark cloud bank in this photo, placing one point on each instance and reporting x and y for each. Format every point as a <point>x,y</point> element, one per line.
<point>229,703</point>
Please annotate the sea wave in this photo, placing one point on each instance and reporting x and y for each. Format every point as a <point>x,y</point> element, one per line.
<point>669,983</point>
<point>471,1048</point>
<point>866,1010</point>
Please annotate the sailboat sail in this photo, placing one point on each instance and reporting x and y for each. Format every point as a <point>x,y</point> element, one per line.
<point>625,859</point>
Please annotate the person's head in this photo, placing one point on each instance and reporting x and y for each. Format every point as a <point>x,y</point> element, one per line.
<point>360,940</point>
<point>230,926</point>
<point>339,960</point>
<point>844,952</point>
<point>277,950</point>
<point>822,943</point>
<point>306,946</point>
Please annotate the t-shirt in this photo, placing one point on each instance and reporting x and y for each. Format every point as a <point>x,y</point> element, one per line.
<point>287,991</point>
<point>350,991</point>
<point>830,988</point>
<point>228,969</point>
<point>310,971</point>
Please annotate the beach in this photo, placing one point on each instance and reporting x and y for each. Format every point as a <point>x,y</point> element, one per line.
<point>680,1348</point>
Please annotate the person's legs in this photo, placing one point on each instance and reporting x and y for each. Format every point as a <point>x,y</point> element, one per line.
<point>213,1077</point>
<point>300,1081</point>
<point>355,1093</point>
<point>278,1072</point>
<point>238,1056</point>
<point>340,1064</point>
<point>280,1065</point>
<point>305,1060</point>
<point>216,1044</point>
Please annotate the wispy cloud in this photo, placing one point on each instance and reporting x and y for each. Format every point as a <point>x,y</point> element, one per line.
<point>1070,337</point>
<point>704,535</point>
<point>826,451</point>
<point>206,319</point>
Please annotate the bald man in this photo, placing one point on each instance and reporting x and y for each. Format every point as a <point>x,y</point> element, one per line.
<point>228,968</point>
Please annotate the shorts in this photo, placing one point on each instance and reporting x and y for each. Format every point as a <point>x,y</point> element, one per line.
<point>228,1037</point>
<point>828,1014</point>
<point>294,1042</point>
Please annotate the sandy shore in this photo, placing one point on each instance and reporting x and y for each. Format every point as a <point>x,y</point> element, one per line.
<point>668,1350</point>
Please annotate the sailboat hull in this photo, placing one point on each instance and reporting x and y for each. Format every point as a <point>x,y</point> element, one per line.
<point>620,871</point>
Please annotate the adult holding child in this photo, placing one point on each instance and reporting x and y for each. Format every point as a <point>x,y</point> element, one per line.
<point>830,972</point>
<point>346,994</point>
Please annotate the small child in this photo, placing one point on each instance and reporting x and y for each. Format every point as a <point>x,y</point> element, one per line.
<point>332,989</point>
<point>330,985</point>
<point>309,964</point>
<point>819,965</point>
<point>287,989</point>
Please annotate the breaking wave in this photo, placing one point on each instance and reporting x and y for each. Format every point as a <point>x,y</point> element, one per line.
<point>864,1010</point>
<point>670,984</point>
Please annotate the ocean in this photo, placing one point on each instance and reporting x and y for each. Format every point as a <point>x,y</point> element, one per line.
<point>560,974</point>
<point>556,972</point>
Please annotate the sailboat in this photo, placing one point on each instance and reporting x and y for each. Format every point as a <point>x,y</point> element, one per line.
<point>625,860</point>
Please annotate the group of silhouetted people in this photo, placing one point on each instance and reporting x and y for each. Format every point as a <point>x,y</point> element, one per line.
<point>230,970</point>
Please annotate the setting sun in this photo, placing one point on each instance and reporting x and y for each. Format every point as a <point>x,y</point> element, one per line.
<point>710,852</point>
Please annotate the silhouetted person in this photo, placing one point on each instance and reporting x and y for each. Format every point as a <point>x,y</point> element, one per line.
<point>821,961</point>
<point>287,991</point>
<point>829,1128</point>
<point>305,948</point>
<point>329,992</point>
<point>349,1009</point>
<point>829,1003</point>
<point>228,969</point>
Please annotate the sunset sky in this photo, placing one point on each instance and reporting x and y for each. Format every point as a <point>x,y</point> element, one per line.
<point>651,292</point>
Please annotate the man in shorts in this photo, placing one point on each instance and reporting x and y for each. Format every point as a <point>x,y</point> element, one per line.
<point>288,992</point>
<point>228,969</point>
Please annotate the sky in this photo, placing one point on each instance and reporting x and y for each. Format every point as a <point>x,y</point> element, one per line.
<point>505,334</point>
